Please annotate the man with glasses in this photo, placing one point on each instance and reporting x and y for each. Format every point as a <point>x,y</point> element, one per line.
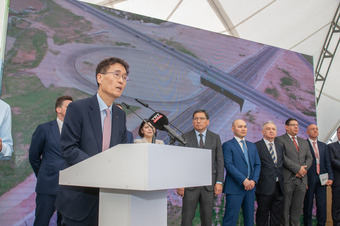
<point>92,125</point>
<point>200,137</point>
<point>296,161</point>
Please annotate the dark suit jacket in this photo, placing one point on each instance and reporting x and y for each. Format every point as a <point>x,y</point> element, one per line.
<point>129,136</point>
<point>293,160</point>
<point>269,171</point>
<point>212,142</point>
<point>45,157</point>
<point>334,154</point>
<point>325,163</point>
<point>81,138</point>
<point>236,166</point>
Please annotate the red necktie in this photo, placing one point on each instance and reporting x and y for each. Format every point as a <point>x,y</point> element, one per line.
<point>317,157</point>
<point>296,145</point>
<point>106,130</point>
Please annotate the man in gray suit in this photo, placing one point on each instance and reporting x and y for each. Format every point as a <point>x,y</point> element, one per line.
<point>297,159</point>
<point>200,137</point>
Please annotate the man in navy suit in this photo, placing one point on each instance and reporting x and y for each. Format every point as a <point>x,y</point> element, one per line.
<point>321,164</point>
<point>243,165</point>
<point>334,154</point>
<point>46,161</point>
<point>270,187</point>
<point>88,131</point>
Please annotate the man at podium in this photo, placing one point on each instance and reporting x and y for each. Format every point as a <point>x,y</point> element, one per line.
<point>92,125</point>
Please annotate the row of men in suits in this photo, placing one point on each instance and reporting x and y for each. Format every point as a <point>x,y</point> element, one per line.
<point>239,184</point>
<point>282,168</point>
<point>94,124</point>
<point>294,178</point>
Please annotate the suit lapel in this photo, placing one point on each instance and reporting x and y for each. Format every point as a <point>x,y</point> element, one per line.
<point>311,148</point>
<point>193,139</point>
<point>55,131</point>
<point>290,142</point>
<point>95,119</point>
<point>278,153</point>
<point>208,140</point>
<point>238,148</point>
<point>264,148</point>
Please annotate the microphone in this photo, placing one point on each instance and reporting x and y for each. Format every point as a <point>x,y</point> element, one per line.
<point>160,121</point>
<point>173,139</point>
<point>144,104</point>
<point>129,107</point>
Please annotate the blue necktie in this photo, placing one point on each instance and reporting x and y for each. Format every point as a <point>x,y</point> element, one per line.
<point>245,152</point>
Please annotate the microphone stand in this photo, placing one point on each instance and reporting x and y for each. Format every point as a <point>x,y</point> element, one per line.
<point>153,136</point>
<point>172,139</point>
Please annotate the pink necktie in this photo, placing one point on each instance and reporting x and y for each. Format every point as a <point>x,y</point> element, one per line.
<point>106,130</point>
<point>317,157</point>
<point>296,145</point>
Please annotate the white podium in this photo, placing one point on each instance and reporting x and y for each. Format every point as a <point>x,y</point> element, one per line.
<point>133,179</point>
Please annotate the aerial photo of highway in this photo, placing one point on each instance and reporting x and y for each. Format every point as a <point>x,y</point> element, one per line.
<point>53,47</point>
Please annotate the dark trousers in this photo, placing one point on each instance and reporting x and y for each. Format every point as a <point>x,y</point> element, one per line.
<point>45,207</point>
<point>270,208</point>
<point>336,205</point>
<point>321,206</point>
<point>90,220</point>
<point>190,200</point>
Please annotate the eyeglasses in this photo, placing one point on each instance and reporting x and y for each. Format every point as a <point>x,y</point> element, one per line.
<point>293,124</point>
<point>117,75</point>
<point>201,119</point>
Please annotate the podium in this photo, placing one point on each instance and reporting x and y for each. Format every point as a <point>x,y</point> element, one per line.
<point>134,178</point>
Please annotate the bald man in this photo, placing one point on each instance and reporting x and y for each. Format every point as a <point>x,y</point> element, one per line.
<point>242,162</point>
<point>321,164</point>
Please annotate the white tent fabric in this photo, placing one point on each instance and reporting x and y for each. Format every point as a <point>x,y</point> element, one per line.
<point>300,26</point>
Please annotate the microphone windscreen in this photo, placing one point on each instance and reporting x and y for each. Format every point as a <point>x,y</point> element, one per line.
<point>158,120</point>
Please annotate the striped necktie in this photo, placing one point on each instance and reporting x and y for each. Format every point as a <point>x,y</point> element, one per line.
<point>272,153</point>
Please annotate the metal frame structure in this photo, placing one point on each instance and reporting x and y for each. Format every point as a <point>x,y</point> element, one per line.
<point>327,53</point>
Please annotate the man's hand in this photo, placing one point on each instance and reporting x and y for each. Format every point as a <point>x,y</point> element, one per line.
<point>180,192</point>
<point>329,182</point>
<point>0,144</point>
<point>247,184</point>
<point>303,171</point>
<point>218,189</point>
<point>298,175</point>
<point>252,183</point>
